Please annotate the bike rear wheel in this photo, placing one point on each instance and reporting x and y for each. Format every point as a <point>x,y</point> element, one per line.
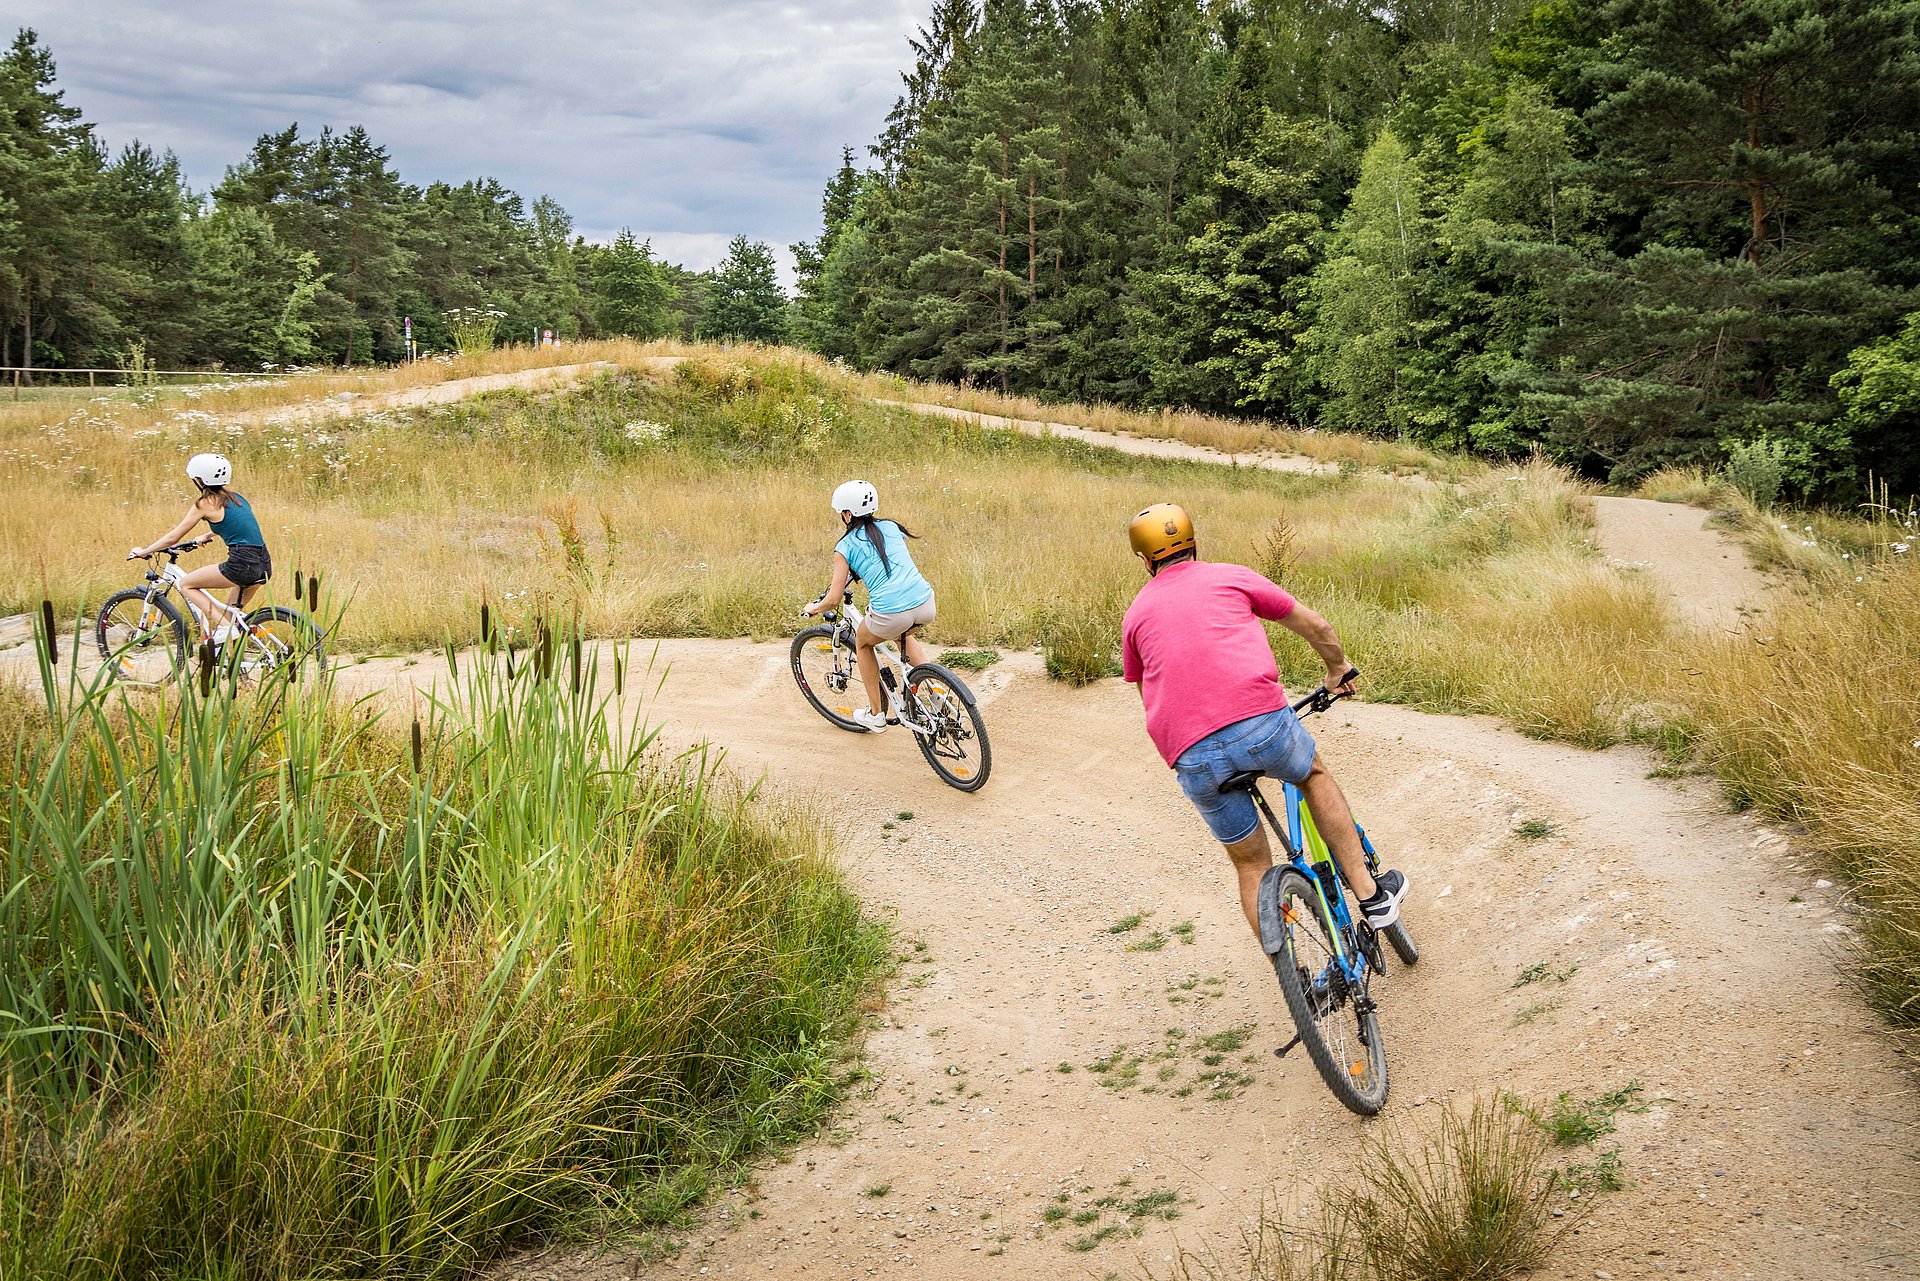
<point>957,748</point>
<point>829,679</point>
<point>142,638</point>
<point>1403,944</point>
<point>282,639</point>
<point>1337,1023</point>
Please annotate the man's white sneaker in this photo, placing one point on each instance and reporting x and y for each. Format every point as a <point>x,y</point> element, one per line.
<point>871,721</point>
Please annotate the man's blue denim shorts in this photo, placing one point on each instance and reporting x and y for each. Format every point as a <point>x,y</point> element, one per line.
<point>1275,743</point>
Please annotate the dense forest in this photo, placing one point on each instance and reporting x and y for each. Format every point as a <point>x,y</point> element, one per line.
<point>311,249</point>
<point>1625,232</point>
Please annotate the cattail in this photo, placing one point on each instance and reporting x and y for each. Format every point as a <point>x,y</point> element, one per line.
<point>416,745</point>
<point>299,591</point>
<point>453,661</point>
<point>573,655</point>
<point>619,673</point>
<point>53,637</point>
<point>486,625</point>
<point>206,666</point>
<point>313,594</point>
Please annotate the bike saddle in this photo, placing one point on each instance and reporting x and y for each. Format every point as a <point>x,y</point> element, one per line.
<point>1242,782</point>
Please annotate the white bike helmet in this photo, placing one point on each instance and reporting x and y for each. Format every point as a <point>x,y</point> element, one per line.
<point>856,498</point>
<point>209,469</point>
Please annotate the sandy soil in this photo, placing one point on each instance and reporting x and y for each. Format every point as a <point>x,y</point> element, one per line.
<point>1144,446</point>
<point>1703,571</point>
<point>1706,964</point>
<point>352,404</point>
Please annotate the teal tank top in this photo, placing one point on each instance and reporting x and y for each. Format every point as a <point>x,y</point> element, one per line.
<point>239,527</point>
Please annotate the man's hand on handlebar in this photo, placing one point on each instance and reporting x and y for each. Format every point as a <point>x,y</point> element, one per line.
<point>1342,684</point>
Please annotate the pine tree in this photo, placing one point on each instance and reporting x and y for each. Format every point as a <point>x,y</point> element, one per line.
<point>746,302</point>
<point>1767,173</point>
<point>629,294</point>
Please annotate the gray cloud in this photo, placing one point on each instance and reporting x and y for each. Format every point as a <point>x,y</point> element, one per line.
<point>687,121</point>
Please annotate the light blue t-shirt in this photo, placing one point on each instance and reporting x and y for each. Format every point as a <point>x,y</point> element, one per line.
<point>892,589</point>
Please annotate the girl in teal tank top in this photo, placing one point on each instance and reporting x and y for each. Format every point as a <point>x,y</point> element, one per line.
<point>231,517</point>
<point>899,598</point>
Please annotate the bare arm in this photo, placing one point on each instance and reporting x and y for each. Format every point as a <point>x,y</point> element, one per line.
<point>193,517</point>
<point>1316,631</point>
<point>836,590</point>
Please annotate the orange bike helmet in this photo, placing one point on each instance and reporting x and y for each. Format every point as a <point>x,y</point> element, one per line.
<point>1161,531</point>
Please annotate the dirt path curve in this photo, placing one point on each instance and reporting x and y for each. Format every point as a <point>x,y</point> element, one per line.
<point>1704,572</point>
<point>1143,446</point>
<point>1697,960</point>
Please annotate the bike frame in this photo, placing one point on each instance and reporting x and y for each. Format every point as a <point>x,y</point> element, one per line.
<point>1307,852</point>
<point>169,580</point>
<point>886,653</point>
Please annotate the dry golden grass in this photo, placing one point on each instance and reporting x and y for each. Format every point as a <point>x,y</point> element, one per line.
<point>420,522</point>
<point>1817,719</point>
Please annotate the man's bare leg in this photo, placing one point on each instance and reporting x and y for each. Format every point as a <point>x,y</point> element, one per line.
<point>1335,824</point>
<point>1251,857</point>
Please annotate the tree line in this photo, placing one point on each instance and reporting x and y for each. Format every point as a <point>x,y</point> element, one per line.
<point>310,249</point>
<point>1626,232</point>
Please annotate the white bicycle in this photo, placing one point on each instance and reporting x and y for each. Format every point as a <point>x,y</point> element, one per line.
<point>143,637</point>
<point>926,698</point>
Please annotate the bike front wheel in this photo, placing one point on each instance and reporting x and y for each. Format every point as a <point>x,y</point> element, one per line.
<point>1337,1022</point>
<point>955,741</point>
<point>142,638</point>
<point>825,669</point>
<point>279,639</point>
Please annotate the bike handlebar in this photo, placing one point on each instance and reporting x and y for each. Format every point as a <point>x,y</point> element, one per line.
<point>174,552</point>
<point>1321,698</point>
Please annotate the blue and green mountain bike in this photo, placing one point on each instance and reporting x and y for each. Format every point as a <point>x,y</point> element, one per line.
<point>1324,952</point>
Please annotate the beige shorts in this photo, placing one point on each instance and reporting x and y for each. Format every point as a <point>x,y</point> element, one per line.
<point>888,627</point>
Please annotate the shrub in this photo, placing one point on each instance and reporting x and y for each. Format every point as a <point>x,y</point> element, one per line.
<point>1757,468</point>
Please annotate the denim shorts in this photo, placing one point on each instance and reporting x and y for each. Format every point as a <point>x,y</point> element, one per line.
<point>1275,743</point>
<point>246,565</point>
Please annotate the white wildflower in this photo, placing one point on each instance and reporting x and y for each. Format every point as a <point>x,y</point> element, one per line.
<point>639,431</point>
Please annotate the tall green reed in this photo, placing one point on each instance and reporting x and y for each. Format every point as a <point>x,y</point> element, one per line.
<point>284,988</point>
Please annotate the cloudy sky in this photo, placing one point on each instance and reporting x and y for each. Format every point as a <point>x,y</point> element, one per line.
<point>687,120</point>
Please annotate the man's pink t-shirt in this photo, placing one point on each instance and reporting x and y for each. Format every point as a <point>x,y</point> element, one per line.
<point>1193,643</point>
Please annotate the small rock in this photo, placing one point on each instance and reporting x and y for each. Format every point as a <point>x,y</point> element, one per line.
<point>1823,885</point>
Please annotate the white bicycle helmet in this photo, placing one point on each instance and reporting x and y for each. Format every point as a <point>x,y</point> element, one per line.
<point>209,469</point>
<point>856,498</point>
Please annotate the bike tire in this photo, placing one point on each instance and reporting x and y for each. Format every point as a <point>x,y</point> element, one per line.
<point>115,633</point>
<point>1341,1037</point>
<point>1402,943</point>
<point>958,750</point>
<point>295,638</point>
<point>811,644</point>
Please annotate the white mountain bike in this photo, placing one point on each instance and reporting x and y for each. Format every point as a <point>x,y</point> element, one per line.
<point>926,698</point>
<point>143,637</point>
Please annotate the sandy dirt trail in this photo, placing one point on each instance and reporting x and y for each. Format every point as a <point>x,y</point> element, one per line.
<point>1142,446</point>
<point>1705,573</point>
<point>1710,970</point>
<point>354,404</point>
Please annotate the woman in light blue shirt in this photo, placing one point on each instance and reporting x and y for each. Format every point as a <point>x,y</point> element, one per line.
<point>899,598</point>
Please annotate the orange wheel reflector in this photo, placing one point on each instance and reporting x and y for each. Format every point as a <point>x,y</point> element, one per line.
<point>1358,1069</point>
<point>964,772</point>
<point>1289,913</point>
<point>844,711</point>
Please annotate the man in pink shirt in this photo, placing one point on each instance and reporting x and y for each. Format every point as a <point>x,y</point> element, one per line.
<point>1193,643</point>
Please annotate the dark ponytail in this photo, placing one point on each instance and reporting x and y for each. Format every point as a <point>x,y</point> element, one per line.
<point>870,525</point>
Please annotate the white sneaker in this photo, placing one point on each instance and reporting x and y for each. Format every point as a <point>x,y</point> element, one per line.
<point>871,721</point>
<point>224,633</point>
